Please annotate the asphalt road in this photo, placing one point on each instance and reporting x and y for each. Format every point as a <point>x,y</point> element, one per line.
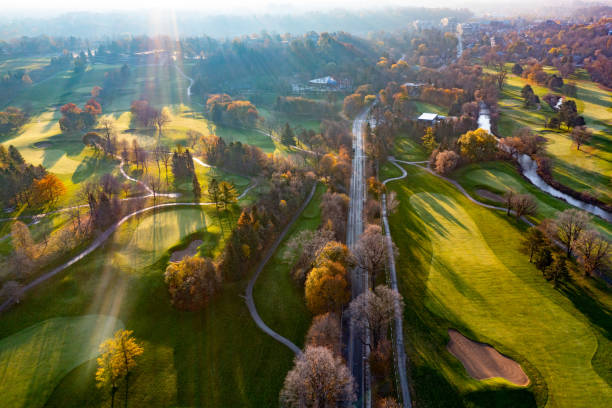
<point>357,351</point>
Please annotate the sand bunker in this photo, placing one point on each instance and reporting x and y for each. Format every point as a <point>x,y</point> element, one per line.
<point>191,250</point>
<point>482,361</point>
<point>43,145</point>
<point>489,195</point>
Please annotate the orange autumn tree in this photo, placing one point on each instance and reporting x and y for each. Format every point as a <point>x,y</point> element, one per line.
<point>327,286</point>
<point>48,189</point>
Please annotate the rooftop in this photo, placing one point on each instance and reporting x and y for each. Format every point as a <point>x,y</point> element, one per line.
<point>428,116</point>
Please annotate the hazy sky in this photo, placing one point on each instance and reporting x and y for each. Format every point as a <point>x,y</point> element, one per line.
<point>227,5</point>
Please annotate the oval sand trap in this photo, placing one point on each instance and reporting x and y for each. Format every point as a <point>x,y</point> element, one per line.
<point>482,361</point>
<point>43,145</point>
<point>191,250</point>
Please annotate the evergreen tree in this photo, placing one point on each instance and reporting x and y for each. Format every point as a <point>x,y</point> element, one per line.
<point>287,135</point>
<point>197,191</point>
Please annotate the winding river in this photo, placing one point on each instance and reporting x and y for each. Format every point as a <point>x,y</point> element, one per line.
<point>529,169</point>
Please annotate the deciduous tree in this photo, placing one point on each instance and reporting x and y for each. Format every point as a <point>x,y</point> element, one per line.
<point>325,332</point>
<point>318,379</point>
<point>327,288</point>
<point>370,252</point>
<point>581,135</point>
<point>374,310</point>
<point>593,250</point>
<point>48,189</point>
<point>117,361</point>
<point>192,282</point>
<point>569,225</point>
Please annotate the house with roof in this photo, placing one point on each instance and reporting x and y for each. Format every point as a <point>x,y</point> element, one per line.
<point>325,81</point>
<point>430,119</point>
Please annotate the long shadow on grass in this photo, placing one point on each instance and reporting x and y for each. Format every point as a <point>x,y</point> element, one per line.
<point>88,167</point>
<point>600,318</point>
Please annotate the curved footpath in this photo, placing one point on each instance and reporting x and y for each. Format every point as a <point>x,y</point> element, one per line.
<point>399,334</point>
<point>400,349</point>
<point>249,290</point>
<point>100,240</point>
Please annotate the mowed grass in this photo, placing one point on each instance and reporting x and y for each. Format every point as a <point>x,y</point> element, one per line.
<point>34,360</point>
<point>26,63</point>
<point>460,267</point>
<point>422,107</point>
<point>279,299</point>
<point>216,357</point>
<point>499,177</point>
<point>406,148</point>
<point>589,169</point>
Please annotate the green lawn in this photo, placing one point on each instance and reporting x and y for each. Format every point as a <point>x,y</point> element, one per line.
<point>460,267</point>
<point>406,148</point>
<point>212,358</point>
<point>422,107</point>
<point>34,360</point>
<point>498,177</point>
<point>26,63</point>
<point>279,299</point>
<point>587,170</point>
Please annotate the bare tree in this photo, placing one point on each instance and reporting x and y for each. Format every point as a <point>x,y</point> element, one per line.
<point>509,200</point>
<point>306,246</point>
<point>161,119</point>
<point>325,332</point>
<point>371,252</point>
<point>154,183</point>
<point>392,203</point>
<point>593,250</point>
<point>318,379</point>
<point>570,224</point>
<point>500,77</point>
<point>193,137</point>
<point>524,204</point>
<point>11,291</point>
<point>374,311</point>
<point>108,130</point>
<point>334,207</point>
<point>581,135</point>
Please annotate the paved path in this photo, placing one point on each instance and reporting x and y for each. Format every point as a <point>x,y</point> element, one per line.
<point>191,81</point>
<point>249,290</point>
<point>399,334</point>
<point>400,349</point>
<point>100,239</point>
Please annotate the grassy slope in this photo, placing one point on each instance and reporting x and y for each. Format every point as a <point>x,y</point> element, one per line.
<point>279,300</point>
<point>210,358</point>
<point>422,107</point>
<point>590,168</point>
<point>66,156</point>
<point>34,360</point>
<point>498,177</point>
<point>460,267</point>
<point>25,63</point>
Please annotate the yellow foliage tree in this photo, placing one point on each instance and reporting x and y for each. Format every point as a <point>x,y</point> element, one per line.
<point>477,145</point>
<point>117,360</point>
<point>48,189</point>
<point>327,288</point>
